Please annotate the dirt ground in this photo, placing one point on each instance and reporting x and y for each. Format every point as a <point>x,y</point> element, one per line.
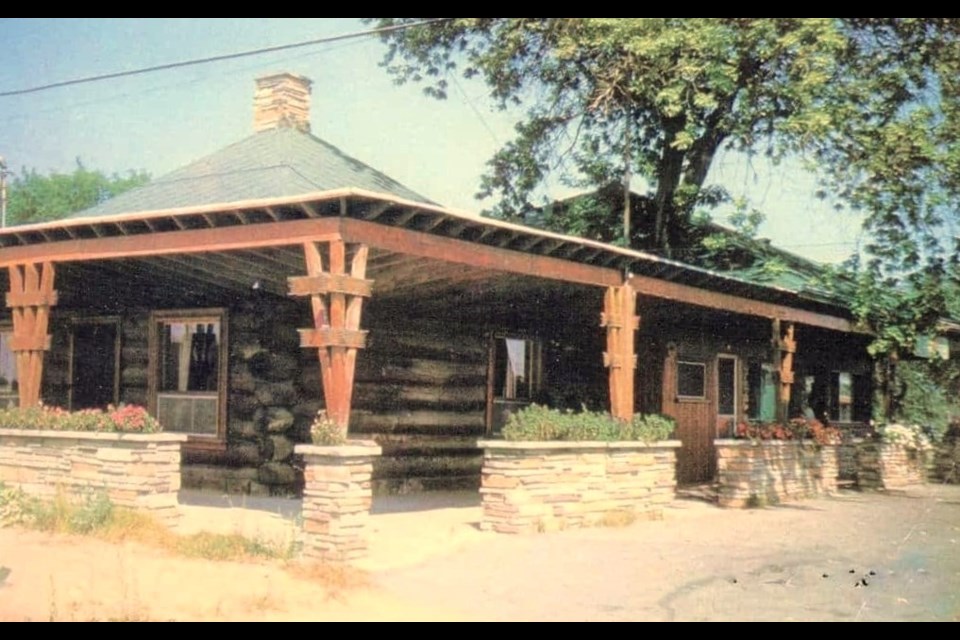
<point>857,557</point>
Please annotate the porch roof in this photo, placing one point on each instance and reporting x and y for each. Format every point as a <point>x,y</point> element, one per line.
<point>402,225</point>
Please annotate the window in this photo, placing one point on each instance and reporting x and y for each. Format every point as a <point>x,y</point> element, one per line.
<point>94,362</point>
<point>8,369</point>
<point>691,380</point>
<point>515,377</point>
<point>189,372</point>
<point>516,369</point>
<point>727,386</point>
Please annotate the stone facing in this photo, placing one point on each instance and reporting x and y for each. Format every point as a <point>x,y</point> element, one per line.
<point>135,471</point>
<point>535,487</point>
<point>336,500</point>
<point>889,466</point>
<point>770,472</point>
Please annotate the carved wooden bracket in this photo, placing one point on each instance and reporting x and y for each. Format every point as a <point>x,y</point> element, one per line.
<point>336,297</point>
<point>30,298</point>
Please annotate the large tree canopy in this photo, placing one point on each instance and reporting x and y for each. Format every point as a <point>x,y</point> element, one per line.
<point>33,197</point>
<point>872,105</point>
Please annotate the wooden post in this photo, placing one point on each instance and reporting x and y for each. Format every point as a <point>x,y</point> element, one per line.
<point>337,302</point>
<point>785,347</point>
<point>30,298</point>
<point>620,319</point>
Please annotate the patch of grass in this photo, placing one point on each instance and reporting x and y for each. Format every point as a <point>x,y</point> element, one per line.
<point>336,579</point>
<point>96,516</point>
<point>618,519</point>
<point>227,547</point>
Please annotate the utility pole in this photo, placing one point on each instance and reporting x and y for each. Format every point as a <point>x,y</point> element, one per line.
<point>3,192</point>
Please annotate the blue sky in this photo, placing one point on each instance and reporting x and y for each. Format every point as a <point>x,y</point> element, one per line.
<point>160,121</point>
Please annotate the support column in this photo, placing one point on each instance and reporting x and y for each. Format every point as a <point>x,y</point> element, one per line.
<point>30,298</point>
<point>785,347</point>
<point>620,319</point>
<point>337,302</point>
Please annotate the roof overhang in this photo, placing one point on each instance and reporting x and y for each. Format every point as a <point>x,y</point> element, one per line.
<point>415,228</point>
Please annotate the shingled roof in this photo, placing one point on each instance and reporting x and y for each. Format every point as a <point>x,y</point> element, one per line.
<point>277,163</point>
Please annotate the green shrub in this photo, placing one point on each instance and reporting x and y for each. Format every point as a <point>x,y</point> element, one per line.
<point>324,432</point>
<point>541,424</point>
<point>122,419</point>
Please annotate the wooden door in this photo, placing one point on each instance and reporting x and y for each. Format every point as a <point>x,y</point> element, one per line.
<point>689,390</point>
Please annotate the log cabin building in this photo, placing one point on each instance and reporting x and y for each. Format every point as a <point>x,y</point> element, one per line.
<point>239,295</point>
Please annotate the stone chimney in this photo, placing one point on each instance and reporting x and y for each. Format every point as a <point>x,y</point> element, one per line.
<point>282,100</point>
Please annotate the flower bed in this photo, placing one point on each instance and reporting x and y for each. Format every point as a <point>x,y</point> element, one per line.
<point>599,473</point>
<point>774,464</point>
<point>119,452</point>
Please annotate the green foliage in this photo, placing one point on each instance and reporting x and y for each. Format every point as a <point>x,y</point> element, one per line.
<point>33,197</point>
<point>85,516</point>
<point>925,396</point>
<point>122,419</point>
<point>872,103</point>
<point>96,515</point>
<point>324,432</point>
<point>541,424</point>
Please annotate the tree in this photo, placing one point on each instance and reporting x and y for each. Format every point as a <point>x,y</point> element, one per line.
<point>33,197</point>
<point>872,105</point>
<point>871,101</point>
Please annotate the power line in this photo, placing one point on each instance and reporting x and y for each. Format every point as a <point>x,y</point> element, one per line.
<point>220,58</point>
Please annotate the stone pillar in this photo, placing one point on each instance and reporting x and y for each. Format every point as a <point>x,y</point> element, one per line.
<point>337,497</point>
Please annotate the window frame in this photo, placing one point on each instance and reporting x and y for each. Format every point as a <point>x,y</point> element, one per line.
<point>536,381</point>
<point>693,399</point>
<point>218,441</point>
<point>736,398</point>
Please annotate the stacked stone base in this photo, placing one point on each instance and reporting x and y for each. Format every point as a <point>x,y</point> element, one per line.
<point>766,473</point>
<point>538,487</point>
<point>889,466</point>
<point>337,498</point>
<point>134,471</point>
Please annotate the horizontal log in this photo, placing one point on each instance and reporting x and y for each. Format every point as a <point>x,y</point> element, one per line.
<point>134,377</point>
<point>133,396</point>
<point>135,355</point>
<point>320,338</point>
<point>401,445</point>
<point>31,299</point>
<point>330,283</point>
<point>428,344</point>
<point>419,371</point>
<point>427,466</point>
<point>418,422</point>
<point>373,396</point>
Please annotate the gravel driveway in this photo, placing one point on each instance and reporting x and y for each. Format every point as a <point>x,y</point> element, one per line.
<point>856,557</point>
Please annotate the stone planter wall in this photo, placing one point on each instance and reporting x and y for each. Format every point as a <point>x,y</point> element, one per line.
<point>135,471</point>
<point>336,500</point>
<point>530,487</point>
<point>759,474</point>
<point>847,460</point>
<point>947,461</point>
<point>889,466</point>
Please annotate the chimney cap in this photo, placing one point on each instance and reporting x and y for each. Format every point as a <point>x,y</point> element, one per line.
<point>271,77</point>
